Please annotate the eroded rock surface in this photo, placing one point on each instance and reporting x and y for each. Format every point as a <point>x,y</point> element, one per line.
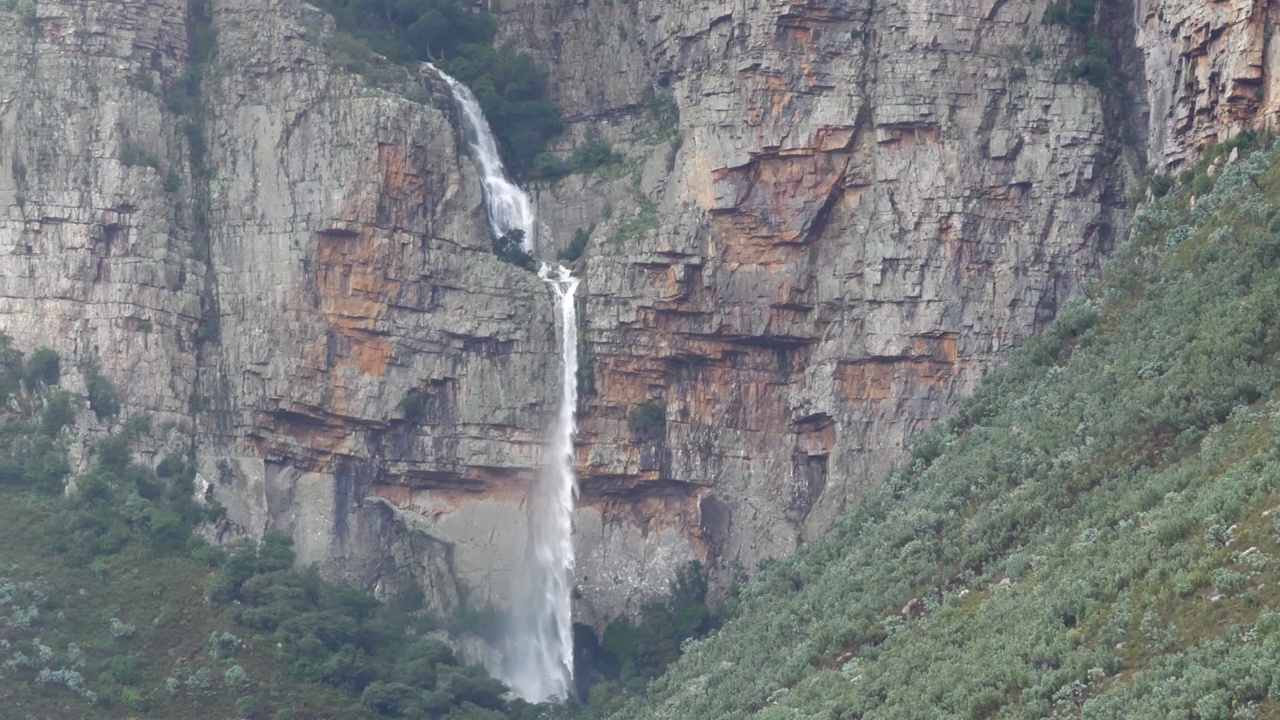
<point>867,208</point>
<point>1210,73</point>
<point>836,218</point>
<point>275,264</point>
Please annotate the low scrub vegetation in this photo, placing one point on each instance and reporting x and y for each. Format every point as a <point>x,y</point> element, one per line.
<point>112,606</point>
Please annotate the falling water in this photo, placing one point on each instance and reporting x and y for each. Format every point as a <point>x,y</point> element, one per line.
<point>538,650</point>
<point>539,661</point>
<point>508,206</point>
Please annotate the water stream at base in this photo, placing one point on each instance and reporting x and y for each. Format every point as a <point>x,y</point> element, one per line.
<point>538,648</point>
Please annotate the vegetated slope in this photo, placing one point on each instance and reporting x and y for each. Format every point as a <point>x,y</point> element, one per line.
<point>111,607</point>
<point>1094,535</point>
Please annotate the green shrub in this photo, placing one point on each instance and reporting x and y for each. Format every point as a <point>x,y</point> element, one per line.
<point>413,406</point>
<point>483,622</point>
<point>662,107</point>
<point>592,155</point>
<point>577,245</point>
<point>132,700</point>
<point>509,85</point>
<point>11,370</point>
<point>57,413</point>
<point>509,249</point>
<point>640,651</point>
<point>44,367</point>
<point>392,699</point>
<point>648,420</point>
<point>1076,14</point>
<point>103,399</point>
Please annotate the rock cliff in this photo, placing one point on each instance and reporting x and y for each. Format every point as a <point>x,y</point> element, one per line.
<point>868,205</point>
<point>834,219</point>
<point>270,257</point>
<point>1209,73</point>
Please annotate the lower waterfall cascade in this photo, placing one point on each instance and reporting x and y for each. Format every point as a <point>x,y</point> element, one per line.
<point>538,646</point>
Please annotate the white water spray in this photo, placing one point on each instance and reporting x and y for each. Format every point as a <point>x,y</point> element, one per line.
<point>508,206</point>
<point>539,661</point>
<point>538,650</point>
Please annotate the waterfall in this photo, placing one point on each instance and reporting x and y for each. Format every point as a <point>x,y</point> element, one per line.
<point>508,206</point>
<point>538,647</point>
<point>539,662</point>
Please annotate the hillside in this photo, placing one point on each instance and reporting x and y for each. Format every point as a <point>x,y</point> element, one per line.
<point>113,606</point>
<point>1093,535</point>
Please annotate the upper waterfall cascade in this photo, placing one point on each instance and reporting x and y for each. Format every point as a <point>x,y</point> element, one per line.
<point>508,206</point>
<point>538,648</point>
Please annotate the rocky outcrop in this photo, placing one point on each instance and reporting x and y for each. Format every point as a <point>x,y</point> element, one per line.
<point>834,220</point>
<point>1209,73</point>
<point>867,207</point>
<point>95,259</point>
<point>290,269</point>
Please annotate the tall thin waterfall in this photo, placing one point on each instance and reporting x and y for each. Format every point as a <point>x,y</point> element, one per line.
<point>508,206</point>
<point>539,661</point>
<point>538,649</point>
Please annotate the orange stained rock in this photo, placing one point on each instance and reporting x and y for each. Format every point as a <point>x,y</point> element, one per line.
<point>355,277</point>
<point>866,380</point>
<point>942,346</point>
<point>308,437</point>
<point>881,379</point>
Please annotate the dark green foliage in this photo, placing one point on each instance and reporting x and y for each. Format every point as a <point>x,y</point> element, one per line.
<point>413,406</point>
<point>509,85</point>
<point>342,638</point>
<point>1161,185</point>
<point>31,458</point>
<point>135,155</point>
<point>648,420</point>
<point>413,30</point>
<point>662,108</point>
<point>509,249</point>
<point>483,622</point>
<point>577,245</point>
<point>57,413</point>
<point>393,699</point>
<point>1094,67</point>
<point>44,367</point>
<point>593,154</point>
<point>1080,541</point>
<point>11,369</point>
<point>1076,14</point>
<point>645,649</point>
<point>103,400</point>
<point>511,89</point>
<point>119,500</point>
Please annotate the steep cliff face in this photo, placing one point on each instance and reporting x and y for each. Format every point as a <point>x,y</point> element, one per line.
<point>353,270</point>
<point>835,218</point>
<point>95,259</point>
<point>270,266</point>
<point>1209,73</point>
<point>868,205</point>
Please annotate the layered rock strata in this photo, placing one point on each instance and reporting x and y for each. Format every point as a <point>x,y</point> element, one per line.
<point>289,269</point>
<point>1209,73</point>
<point>867,207</point>
<point>836,217</point>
